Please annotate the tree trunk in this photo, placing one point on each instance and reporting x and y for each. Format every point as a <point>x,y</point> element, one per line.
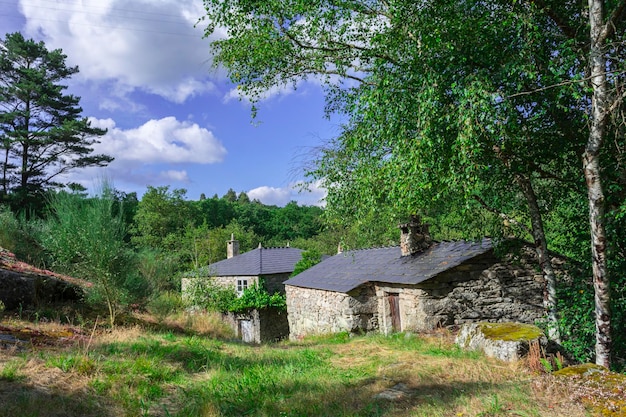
<point>591,166</point>
<point>541,248</point>
<point>5,169</point>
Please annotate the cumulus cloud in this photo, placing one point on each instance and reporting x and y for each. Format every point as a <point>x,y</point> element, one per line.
<point>145,155</point>
<point>144,45</point>
<point>280,196</point>
<point>270,195</point>
<point>160,141</point>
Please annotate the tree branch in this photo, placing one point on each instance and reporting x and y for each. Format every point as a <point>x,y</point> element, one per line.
<point>610,26</point>
<point>501,215</point>
<point>567,30</point>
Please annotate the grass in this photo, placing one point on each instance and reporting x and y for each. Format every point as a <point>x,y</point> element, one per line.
<point>178,371</point>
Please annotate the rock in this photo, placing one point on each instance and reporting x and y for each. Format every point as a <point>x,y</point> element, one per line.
<point>505,341</point>
<point>584,369</point>
<point>27,289</point>
<point>395,393</point>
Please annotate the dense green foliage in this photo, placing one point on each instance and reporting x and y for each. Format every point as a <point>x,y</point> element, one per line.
<point>309,258</point>
<point>85,238</point>
<point>256,297</point>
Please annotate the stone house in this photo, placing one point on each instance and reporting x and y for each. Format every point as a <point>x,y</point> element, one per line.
<point>418,286</point>
<point>271,266</point>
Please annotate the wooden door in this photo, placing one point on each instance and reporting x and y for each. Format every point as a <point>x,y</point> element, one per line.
<point>394,311</point>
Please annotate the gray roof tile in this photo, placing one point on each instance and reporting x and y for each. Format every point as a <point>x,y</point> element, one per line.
<point>260,261</point>
<point>346,271</point>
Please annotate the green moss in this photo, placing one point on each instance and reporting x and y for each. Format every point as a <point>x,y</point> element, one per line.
<point>510,332</point>
<point>580,370</point>
<point>600,391</point>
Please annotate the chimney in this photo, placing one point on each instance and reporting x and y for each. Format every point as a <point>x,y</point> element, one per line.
<point>414,236</point>
<point>232,247</point>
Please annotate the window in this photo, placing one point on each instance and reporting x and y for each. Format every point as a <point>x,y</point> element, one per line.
<point>242,284</point>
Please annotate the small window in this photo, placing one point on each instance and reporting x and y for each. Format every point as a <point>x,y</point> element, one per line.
<point>242,284</point>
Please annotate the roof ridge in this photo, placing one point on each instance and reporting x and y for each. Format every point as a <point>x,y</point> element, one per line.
<point>278,247</point>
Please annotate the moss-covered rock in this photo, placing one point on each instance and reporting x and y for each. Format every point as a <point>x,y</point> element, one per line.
<point>505,341</point>
<point>601,391</point>
<point>584,369</point>
<point>512,332</point>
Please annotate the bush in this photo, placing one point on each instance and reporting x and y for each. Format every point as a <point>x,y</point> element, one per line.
<point>257,298</point>
<point>204,292</point>
<point>159,270</point>
<point>85,238</point>
<point>165,304</point>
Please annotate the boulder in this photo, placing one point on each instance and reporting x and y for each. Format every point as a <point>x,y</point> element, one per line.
<point>505,341</point>
<point>27,290</point>
<point>23,285</point>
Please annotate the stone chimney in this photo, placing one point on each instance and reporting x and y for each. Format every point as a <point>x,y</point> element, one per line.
<point>232,247</point>
<point>414,236</point>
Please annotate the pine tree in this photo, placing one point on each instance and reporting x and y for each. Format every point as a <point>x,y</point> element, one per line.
<point>42,133</point>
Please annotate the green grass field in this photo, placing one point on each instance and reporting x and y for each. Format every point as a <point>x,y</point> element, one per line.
<point>134,371</point>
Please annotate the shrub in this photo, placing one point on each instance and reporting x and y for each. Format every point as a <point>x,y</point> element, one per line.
<point>85,238</point>
<point>204,292</point>
<point>256,297</point>
<point>165,304</point>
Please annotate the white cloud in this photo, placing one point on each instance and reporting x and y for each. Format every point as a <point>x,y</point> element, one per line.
<point>160,141</point>
<point>270,195</point>
<point>144,45</point>
<point>148,154</point>
<point>237,94</point>
<point>179,176</point>
<point>280,196</point>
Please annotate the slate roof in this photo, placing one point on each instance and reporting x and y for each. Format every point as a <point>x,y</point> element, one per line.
<point>349,270</point>
<point>259,261</point>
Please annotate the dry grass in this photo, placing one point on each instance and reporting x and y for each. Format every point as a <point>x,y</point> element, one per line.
<point>132,371</point>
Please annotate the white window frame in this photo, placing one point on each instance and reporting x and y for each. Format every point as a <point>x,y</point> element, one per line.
<point>242,284</point>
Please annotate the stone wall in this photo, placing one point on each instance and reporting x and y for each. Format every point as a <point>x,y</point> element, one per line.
<point>258,326</point>
<point>274,282</point>
<point>483,289</point>
<point>312,311</point>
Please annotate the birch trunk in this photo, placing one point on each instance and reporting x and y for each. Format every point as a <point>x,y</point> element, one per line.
<point>591,166</point>
<point>541,248</point>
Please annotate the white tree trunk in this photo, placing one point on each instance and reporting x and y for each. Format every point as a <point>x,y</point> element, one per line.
<point>591,166</point>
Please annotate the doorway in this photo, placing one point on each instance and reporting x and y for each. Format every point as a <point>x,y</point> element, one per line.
<point>393,300</point>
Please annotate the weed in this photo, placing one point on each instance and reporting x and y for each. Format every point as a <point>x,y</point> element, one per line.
<point>547,365</point>
<point>11,371</point>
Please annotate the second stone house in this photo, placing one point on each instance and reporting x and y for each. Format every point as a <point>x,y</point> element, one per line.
<point>269,266</point>
<point>418,286</point>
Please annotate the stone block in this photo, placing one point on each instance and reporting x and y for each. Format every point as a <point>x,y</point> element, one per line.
<point>506,341</point>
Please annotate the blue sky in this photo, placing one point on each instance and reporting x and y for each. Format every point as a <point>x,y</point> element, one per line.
<point>172,119</point>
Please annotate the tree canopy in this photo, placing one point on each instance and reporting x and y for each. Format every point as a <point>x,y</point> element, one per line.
<point>454,103</point>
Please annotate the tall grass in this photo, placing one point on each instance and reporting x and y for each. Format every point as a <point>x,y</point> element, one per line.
<point>134,372</point>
